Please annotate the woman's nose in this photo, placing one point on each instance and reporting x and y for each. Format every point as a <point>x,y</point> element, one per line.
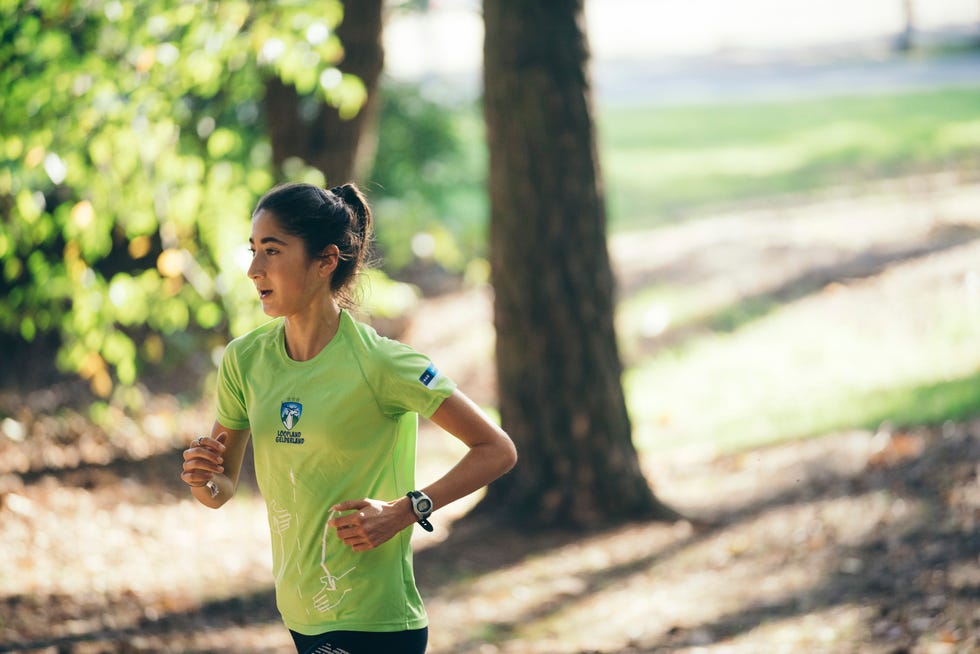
<point>253,269</point>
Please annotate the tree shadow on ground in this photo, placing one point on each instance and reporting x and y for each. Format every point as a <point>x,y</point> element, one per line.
<point>250,609</point>
<point>900,575</point>
<point>157,475</point>
<point>904,564</point>
<point>904,570</point>
<point>864,265</point>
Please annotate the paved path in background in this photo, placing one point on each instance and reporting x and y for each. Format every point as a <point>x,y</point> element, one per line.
<point>716,79</point>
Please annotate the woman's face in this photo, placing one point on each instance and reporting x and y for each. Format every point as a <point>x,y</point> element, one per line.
<point>286,277</point>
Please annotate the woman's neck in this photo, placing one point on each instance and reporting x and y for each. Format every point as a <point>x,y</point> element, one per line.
<point>309,332</point>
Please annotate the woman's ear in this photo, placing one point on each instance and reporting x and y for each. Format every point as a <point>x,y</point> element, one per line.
<point>329,259</point>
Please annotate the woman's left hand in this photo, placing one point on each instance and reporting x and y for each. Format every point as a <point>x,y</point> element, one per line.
<point>371,522</point>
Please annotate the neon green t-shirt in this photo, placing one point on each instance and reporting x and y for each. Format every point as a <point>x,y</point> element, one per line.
<point>340,426</point>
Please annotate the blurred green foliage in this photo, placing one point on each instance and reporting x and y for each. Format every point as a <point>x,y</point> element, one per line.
<point>428,180</point>
<point>132,150</point>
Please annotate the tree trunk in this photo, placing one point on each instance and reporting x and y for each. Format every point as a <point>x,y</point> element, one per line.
<point>904,41</point>
<point>339,148</point>
<point>559,370</point>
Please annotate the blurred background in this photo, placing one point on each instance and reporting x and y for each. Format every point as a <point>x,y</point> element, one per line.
<point>793,193</point>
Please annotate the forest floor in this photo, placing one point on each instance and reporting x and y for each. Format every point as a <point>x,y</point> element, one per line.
<point>861,541</point>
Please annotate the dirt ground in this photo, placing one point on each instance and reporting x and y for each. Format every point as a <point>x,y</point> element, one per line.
<point>856,542</point>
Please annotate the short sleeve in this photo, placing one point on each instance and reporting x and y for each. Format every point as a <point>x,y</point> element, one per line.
<point>408,381</point>
<point>232,410</point>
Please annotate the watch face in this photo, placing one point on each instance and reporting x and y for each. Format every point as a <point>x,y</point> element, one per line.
<point>423,505</point>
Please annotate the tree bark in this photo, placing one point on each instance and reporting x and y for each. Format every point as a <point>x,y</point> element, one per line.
<point>339,148</point>
<point>559,369</point>
<point>904,41</point>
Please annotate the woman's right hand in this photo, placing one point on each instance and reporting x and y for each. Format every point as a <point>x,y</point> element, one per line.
<point>203,459</point>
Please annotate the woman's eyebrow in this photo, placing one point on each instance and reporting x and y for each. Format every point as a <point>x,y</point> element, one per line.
<point>268,239</point>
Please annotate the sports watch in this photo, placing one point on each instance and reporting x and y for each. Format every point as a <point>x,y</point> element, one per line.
<point>421,507</point>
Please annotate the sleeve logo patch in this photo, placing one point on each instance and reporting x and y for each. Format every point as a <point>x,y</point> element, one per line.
<point>428,377</point>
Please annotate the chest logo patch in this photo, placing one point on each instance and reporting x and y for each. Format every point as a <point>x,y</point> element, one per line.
<point>290,413</point>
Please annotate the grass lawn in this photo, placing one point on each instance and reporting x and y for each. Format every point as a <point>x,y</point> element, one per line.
<point>902,349</point>
<point>796,319</point>
<point>663,163</point>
